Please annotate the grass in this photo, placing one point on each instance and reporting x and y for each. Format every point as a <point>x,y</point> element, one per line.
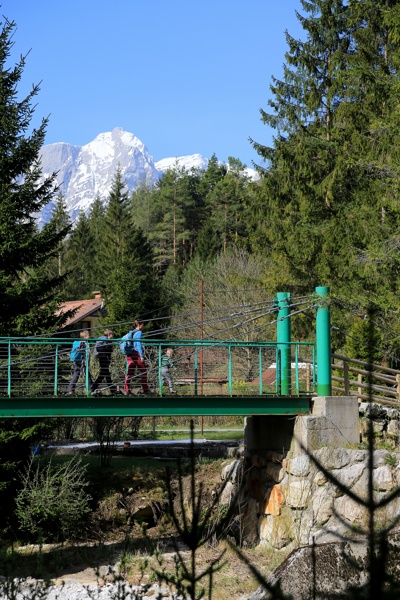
<point>121,469</point>
<point>139,561</point>
<point>182,434</point>
<point>232,579</point>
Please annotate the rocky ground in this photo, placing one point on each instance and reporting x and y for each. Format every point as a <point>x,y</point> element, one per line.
<point>116,560</point>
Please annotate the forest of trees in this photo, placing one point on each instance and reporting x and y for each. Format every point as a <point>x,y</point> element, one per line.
<point>324,211</point>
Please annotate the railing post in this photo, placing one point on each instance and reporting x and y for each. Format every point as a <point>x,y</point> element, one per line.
<point>9,369</point>
<point>283,339</point>
<point>296,361</point>
<point>87,372</point>
<point>229,370</point>
<point>323,336</point>
<point>196,354</point>
<point>346,378</point>
<point>160,381</point>
<point>56,372</point>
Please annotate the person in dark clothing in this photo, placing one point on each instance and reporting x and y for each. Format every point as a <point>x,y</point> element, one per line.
<point>78,357</point>
<point>103,350</point>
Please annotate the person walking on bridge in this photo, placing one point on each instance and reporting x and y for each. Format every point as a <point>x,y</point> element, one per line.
<point>78,358</point>
<point>103,351</point>
<point>135,359</point>
<point>167,364</point>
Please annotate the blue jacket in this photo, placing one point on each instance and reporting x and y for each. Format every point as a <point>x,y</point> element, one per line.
<point>78,352</point>
<point>137,344</point>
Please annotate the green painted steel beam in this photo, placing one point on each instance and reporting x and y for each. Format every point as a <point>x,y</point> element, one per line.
<point>141,406</point>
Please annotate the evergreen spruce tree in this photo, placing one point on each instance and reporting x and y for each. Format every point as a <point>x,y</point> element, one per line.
<point>173,233</point>
<point>131,287</point>
<point>96,221</point>
<point>369,118</point>
<point>56,266</point>
<point>327,209</point>
<point>302,192</point>
<point>142,202</point>
<point>26,293</point>
<point>80,257</point>
<point>212,175</point>
<point>226,205</point>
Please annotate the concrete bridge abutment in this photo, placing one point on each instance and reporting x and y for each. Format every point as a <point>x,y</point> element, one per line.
<point>332,422</point>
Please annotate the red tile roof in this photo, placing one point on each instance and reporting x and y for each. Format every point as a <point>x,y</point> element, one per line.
<point>84,308</point>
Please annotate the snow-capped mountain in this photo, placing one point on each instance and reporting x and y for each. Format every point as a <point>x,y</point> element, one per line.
<point>187,162</point>
<point>85,172</point>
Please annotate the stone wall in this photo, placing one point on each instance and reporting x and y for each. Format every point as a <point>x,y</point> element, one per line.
<point>285,498</point>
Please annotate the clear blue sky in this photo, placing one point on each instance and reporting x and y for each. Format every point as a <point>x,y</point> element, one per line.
<point>185,77</point>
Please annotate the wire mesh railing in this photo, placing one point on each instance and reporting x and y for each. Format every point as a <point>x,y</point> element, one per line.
<point>43,367</point>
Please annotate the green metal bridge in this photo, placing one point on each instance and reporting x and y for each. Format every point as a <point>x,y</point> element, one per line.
<point>212,377</point>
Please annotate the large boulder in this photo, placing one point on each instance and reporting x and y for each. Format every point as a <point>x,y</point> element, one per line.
<point>316,572</point>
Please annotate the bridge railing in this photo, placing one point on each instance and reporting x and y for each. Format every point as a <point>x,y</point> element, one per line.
<point>367,381</point>
<point>42,367</point>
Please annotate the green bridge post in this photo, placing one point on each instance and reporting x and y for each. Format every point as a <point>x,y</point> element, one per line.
<point>323,338</point>
<point>283,339</point>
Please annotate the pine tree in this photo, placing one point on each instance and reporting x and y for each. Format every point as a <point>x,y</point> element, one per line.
<point>130,284</point>
<point>56,266</point>
<point>96,221</point>
<point>212,175</point>
<point>327,209</point>
<point>174,203</point>
<point>226,205</point>
<point>80,251</point>
<point>26,293</point>
<point>302,192</point>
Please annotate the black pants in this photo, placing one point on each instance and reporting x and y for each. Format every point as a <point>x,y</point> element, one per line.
<point>104,374</point>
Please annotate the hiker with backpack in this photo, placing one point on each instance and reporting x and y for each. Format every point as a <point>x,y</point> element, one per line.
<point>131,346</point>
<point>78,358</point>
<point>103,351</point>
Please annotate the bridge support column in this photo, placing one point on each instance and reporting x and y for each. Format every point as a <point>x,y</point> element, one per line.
<point>323,335</point>
<point>283,337</point>
<point>333,422</point>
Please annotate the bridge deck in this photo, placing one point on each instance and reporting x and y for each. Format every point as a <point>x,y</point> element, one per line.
<point>133,406</point>
<point>212,378</point>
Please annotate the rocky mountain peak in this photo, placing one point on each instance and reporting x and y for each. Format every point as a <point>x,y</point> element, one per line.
<point>87,172</point>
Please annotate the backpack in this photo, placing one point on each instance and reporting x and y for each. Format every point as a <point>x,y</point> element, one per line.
<point>76,352</point>
<point>100,342</point>
<point>126,345</point>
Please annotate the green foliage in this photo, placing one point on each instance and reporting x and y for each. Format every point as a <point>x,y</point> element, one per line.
<point>128,276</point>
<point>195,526</point>
<point>25,290</point>
<point>52,502</point>
<point>226,205</point>
<point>194,212</point>
<point>326,210</point>
<point>80,254</point>
<point>56,266</point>
<point>359,343</point>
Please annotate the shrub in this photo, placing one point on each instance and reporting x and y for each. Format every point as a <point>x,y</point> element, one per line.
<point>53,502</point>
